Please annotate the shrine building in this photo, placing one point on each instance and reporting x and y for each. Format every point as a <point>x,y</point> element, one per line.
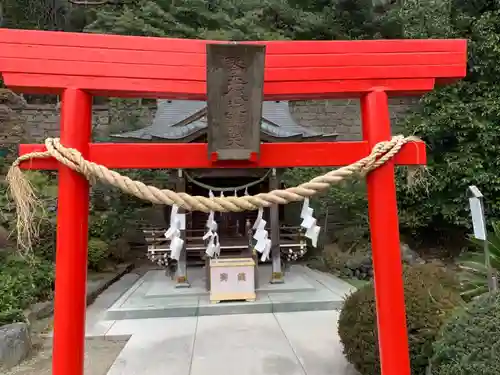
<point>184,121</point>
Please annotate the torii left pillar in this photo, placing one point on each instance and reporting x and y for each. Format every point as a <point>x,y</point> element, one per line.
<point>72,239</point>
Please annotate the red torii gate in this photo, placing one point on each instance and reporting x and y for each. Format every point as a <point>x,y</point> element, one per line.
<point>79,66</point>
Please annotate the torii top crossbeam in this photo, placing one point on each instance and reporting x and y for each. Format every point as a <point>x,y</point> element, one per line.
<point>78,66</point>
<point>109,65</point>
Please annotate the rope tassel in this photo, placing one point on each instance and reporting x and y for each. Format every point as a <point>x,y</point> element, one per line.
<point>27,204</point>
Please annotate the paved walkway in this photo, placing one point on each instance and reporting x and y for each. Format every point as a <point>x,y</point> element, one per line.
<point>248,344</point>
<point>272,343</point>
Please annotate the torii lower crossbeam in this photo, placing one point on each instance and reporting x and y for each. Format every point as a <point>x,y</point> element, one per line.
<point>78,66</point>
<point>194,155</point>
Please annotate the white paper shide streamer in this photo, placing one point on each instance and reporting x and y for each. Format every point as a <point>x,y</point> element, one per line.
<point>213,246</point>
<point>309,223</point>
<point>261,235</point>
<point>174,233</point>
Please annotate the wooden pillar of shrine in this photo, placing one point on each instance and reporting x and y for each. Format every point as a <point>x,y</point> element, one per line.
<point>181,279</point>
<point>274,222</point>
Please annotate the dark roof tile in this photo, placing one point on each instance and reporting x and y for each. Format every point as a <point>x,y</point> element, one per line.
<point>277,121</point>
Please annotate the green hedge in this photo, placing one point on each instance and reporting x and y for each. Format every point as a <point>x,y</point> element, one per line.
<point>431,293</point>
<point>470,341</point>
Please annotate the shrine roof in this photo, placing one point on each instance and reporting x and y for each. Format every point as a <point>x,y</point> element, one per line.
<point>181,119</point>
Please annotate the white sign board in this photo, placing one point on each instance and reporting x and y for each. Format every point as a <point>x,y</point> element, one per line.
<point>478,223</point>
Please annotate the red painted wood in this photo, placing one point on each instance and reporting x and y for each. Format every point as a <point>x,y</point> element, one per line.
<point>147,67</point>
<point>72,233</point>
<point>191,73</point>
<point>55,38</point>
<point>195,155</point>
<point>155,58</point>
<point>147,88</point>
<point>384,229</point>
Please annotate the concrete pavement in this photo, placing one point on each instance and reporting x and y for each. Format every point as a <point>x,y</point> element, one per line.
<point>267,343</point>
<point>298,343</point>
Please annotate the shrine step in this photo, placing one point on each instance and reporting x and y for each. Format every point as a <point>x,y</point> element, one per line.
<point>204,308</point>
<point>154,296</point>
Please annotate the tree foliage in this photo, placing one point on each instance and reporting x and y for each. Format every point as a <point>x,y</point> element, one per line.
<point>239,20</point>
<point>44,15</point>
<point>458,122</point>
<point>33,14</point>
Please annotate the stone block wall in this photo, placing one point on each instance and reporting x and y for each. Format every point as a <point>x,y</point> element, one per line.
<point>36,122</point>
<point>42,120</point>
<point>343,116</point>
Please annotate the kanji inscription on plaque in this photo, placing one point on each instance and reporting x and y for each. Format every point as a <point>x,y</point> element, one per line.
<point>235,76</point>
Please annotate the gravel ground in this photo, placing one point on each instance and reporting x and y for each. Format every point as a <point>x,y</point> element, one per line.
<point>99,356</point>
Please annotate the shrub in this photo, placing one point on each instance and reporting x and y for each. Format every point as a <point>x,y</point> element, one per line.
<point>469,343</point>
<point>44,245</point>
<point>118,250</point>
<point>98,254</point>
<point>474,274</point>
<point>431,293</point>
<point>106,225</point>
<point>348,264</point>
<point>23,282</point>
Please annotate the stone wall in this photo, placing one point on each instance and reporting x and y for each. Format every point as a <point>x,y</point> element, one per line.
<point>328,116</point>
<point>42,120</point>
<point>343,116</point>
<point>11,131</point>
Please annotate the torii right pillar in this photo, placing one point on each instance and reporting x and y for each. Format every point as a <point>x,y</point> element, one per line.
<point>384,229</point>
